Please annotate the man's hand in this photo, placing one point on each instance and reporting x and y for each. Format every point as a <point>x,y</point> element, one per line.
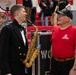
<point>72,72</point>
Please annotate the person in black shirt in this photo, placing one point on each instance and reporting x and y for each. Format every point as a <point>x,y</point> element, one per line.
<point>63,4</point>
<point>53,7</point>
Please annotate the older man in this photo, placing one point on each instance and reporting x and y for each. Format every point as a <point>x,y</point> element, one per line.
<point>63,39</point>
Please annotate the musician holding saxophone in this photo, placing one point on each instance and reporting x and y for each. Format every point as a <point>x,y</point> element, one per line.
<point>14,46</point>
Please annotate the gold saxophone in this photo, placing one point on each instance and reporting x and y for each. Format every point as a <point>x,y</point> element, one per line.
<point>32,51</point>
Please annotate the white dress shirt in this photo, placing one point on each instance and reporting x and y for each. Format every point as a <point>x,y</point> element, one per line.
<point>23,36</point>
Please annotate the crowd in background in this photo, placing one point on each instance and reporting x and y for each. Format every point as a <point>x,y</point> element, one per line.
<point>2,19</point>
<point>48,8</point>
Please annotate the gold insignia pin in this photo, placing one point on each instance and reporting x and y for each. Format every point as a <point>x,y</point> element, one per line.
<point>19,47</point>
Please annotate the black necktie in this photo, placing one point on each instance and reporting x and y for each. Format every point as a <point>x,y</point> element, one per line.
<point>21,28</point>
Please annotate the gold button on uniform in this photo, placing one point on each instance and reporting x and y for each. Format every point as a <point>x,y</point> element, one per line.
<point>19,47</point>
<point>20,54</point>
<point>24,54</point>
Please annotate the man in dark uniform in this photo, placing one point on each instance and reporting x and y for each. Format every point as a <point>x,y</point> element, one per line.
<point>13,44</point>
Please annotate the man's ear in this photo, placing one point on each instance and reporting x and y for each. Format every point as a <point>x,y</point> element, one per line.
<point>16,13</point>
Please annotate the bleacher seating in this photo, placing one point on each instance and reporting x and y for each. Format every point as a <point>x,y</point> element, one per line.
<point>38,21</point>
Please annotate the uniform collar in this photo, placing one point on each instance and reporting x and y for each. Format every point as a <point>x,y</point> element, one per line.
<point>18,25</point>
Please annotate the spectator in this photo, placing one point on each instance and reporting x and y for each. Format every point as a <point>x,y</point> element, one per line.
<point>63,4</point>
<point>53,7</point>
<point>2,19</point>
<point>44,12</point>
<point>34,9</point>
<point>6,3</point>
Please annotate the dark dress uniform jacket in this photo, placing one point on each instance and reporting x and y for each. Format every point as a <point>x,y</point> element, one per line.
<point>13,50</point>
